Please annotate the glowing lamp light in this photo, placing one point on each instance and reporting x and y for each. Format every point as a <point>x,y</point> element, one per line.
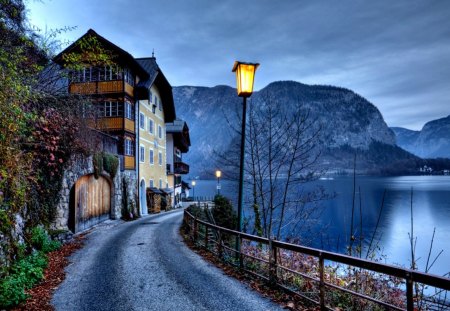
<point>218,174</point>
<point>245,76</point>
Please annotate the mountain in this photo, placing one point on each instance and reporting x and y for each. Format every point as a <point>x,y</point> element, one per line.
<point>433,141</point>
<point>350,124</point>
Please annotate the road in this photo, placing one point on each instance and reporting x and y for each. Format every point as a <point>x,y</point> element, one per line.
<point>144,265</point>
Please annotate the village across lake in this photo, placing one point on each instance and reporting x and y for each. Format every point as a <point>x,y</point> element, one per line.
<point>431,209</point>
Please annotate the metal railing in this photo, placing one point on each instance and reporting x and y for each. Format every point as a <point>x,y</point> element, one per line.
<point>276,267</point>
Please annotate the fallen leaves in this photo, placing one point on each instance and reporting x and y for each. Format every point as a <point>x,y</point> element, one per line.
<point>41,295</point>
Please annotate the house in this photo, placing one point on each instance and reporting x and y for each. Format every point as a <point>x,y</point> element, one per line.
<point>155,108</point>
<point>131,101</point>
<point>178,142</point>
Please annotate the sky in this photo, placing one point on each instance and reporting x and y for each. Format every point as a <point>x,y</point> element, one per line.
<point>396,54</point>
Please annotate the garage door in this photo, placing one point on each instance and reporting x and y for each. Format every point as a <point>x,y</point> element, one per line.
<point>92,202</point>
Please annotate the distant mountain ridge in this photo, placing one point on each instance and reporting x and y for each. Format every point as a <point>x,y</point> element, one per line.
<point>349,123</point>
<point>433,141</point>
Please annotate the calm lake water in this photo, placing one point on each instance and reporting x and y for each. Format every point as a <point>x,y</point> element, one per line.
<point>431,209</point>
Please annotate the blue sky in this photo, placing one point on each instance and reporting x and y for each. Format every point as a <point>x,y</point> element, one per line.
<point>394,53</point>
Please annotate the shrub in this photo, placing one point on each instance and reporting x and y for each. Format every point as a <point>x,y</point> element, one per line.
<point>42,241</point>
<point>97,160</point>
<point>110,164</point>
<point>223,213</point>
<point>23,275</point>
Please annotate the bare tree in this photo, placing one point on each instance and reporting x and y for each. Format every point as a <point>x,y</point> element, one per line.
<point>282,149</point>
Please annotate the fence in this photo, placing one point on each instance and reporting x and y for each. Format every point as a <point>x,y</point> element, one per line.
<point>320,277</point>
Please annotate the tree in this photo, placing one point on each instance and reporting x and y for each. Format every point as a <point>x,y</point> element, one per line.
<point>282,149</point>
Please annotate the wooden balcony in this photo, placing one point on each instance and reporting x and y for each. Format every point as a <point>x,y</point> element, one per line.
<point>180,168</point>
<point>129,162</point>
<point>112,124</point>
<point>101,87</point>
<point>129,125</point>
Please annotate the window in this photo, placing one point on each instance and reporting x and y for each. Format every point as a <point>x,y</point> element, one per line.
<point>160,105</point>
<point>151,183</point>
<point>160,158</point>
<point>142,121</point>
<point>160,131</point>
<point>129,110</point>
<point>151,126</point>
<point>103,73</point>
<point>152,157</point>
<point>129,147</point>
<point>150,96</point>
<point>141,153</point>
<point>160,183</point>
<point>110,109</point>
<point>128,77</point>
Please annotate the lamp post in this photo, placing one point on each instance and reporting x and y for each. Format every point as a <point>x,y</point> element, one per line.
<point>193,189</point>
<point>245,76</point>
<point>218,174</point>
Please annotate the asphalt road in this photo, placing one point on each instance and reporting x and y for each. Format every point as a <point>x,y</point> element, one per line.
<point>144,265</point>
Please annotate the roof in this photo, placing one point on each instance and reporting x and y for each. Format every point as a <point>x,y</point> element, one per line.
<point>152,68</point>
<point>156,77</point>
<point>108,45</point>
<point>155,190</point>
<point>166,190</point>
<point>185,185</point>
<point>180,131</point>
<point>176,126</point>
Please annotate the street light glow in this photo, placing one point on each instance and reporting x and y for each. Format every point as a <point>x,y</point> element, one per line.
<point>218,174</point>
<point>245,76</point>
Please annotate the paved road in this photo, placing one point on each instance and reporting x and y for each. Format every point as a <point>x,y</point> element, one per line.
<point>144,265</point>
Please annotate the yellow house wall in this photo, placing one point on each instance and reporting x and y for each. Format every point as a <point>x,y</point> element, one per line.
<point>153,171</point>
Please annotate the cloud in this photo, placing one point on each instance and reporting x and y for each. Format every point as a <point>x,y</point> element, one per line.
<point>394,53</point>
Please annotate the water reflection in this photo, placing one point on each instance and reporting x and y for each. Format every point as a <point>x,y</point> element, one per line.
<point>431,208</point>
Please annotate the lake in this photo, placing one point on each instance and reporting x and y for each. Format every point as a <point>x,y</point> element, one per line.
<point>431,209</point>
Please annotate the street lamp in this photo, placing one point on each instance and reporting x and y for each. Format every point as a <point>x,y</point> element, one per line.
<point>193,189</point>
<point>218,174</point>
<point>245,76</point>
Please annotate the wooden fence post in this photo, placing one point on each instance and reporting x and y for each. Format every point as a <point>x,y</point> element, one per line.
<point>219,245</point>
<point>272,262</point>
<point>409,293</point>
<point>321,283</point>
<point>195,229</point>
<point>241,256</point>
<point>206,237</point>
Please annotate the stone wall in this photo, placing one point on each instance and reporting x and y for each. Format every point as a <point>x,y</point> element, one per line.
<point>79,166</point>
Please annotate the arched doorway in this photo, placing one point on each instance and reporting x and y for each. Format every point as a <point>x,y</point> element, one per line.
<point>90,202</point>
<point>142,198</point>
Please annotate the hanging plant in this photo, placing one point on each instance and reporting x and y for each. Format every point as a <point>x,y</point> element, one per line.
<point>97,160</point>
<point>110,164</point>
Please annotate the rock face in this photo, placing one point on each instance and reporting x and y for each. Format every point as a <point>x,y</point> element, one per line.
<point>348,120</point>
<point>433,141</point>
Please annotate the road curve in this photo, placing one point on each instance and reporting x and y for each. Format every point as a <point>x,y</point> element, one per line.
<point>144,265</point>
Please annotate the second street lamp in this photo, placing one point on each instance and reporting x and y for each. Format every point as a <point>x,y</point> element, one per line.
<point>193,189</point>
<point>245,76</point>
<point>218,174</point>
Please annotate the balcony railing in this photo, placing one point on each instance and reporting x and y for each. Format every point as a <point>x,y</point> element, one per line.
<point>181,168</point>
<point>101,87</point>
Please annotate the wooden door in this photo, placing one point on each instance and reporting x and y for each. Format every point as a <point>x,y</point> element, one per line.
<point>92,201</point>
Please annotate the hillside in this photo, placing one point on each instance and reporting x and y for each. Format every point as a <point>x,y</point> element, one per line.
<point>349,124</point>
<point>433,141</point>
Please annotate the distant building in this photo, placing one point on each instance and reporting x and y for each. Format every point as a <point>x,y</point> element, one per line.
<point>178,142</point>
